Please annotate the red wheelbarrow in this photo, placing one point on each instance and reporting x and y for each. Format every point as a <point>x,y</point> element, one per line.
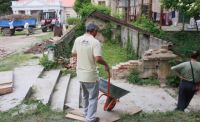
<point>112,92</point>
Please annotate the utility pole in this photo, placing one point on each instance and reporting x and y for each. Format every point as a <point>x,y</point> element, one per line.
<point>150,9</point>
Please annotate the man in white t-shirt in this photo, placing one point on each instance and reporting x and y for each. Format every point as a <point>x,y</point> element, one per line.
<point>87,49</point>
<point>26,26</point>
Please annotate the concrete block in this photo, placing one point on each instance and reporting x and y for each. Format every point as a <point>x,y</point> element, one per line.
<point>6,77</point>
<point>44,86</point>
<point>24,77</point>
<point>59,95</point>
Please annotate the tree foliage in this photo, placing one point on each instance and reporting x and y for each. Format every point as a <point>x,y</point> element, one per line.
<point>188,7</point>
<point>5,6</point>
<point>89,8</point>
<point>78,5</point>
<point>84,8</point>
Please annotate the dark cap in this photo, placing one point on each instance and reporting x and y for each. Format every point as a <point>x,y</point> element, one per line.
<point>194,54</point>
<point>91,27</point>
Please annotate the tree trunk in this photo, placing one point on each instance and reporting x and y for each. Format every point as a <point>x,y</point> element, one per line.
<point>161,17</point>
<point>142,7</point>
<point>183,27</point>
<point>195,19</point>
<point>150,9</point>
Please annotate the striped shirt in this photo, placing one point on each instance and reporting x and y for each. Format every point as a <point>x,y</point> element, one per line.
<point>184,69</point>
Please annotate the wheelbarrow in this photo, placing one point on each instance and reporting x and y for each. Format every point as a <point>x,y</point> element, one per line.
<point>112,92</point>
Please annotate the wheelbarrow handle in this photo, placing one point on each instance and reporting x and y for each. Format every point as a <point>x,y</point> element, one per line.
<point>108,84</point>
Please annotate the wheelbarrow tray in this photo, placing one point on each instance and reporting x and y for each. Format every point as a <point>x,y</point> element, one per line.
<point>115,92</point>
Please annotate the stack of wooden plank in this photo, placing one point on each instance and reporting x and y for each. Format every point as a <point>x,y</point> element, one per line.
<point>6,82</point>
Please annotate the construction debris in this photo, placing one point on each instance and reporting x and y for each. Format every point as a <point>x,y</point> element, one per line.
<point>39,48</point>
<point>16,17</point>
<point>154,63</point>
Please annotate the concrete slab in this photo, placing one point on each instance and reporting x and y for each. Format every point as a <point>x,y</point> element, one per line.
<point>23,80</point>
<point>149,98</point>
<point>73,94</point>
<point>44,86</point>
<point>6,77</point>
<point>58,97</point>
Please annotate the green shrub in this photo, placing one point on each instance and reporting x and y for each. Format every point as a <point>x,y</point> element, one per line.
<point>87,9</point>
<point>107,31</point>
<point>44,61</point>
<point>148,25</point>
<point>173,80</point>
<point>184,42</point>
<point>73,20</point>
<point>134,77</point>
<point>118,15</point>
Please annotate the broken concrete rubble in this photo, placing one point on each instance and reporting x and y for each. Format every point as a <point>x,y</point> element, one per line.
<point>154,63</point>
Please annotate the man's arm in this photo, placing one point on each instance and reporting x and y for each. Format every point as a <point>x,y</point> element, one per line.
<point>177,70</point>
<point>100,60</point>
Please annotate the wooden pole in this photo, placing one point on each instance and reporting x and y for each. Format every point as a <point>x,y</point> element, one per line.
<point>150,9</point>
<point>135,10</point>
<point>129,9</point>
<point>161,17</point>
<point>142,7</point>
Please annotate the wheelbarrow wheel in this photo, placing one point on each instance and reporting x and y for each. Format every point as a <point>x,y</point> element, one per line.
<point>110,104</point>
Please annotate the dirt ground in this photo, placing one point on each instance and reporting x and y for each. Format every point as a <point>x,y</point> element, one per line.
<point>19,43</point>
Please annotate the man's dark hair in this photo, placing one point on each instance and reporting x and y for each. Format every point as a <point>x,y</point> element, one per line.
<point>195,54</point>
<point>91,27</point>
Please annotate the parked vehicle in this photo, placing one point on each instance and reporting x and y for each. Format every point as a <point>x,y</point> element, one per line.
<point>48,21</point>
<point>16,24</point>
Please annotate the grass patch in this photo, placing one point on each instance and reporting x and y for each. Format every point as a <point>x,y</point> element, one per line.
<point>113,54</point>
<point>12,61</point>
<point>41,113</point>
<point>47,35</point>
<point>163,117</point>
<point>135,79</point>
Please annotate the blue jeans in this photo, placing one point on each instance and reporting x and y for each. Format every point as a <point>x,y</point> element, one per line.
<point>90,100</point>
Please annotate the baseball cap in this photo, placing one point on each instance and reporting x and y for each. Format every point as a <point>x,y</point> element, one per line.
<point>91,27</point>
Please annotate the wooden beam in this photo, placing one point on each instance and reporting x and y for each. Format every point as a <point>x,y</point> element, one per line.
<point>75,117</point>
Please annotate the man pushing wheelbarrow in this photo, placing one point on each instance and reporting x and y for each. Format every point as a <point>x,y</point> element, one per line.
<point>87,50</point>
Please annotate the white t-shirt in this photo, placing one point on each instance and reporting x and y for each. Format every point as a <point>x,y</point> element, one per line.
<point>87,48</point>
<point>26,25</point>
<point>11,25</point>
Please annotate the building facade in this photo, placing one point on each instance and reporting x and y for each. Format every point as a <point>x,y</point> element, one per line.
<point>62,8</point>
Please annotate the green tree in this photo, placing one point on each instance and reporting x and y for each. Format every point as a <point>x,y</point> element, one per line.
<point>5,6</point>
<point>190,8</point>
<point>79,4</point>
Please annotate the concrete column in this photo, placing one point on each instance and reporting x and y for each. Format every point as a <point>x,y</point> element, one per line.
<point>28,12</point>
<point>15,12</point>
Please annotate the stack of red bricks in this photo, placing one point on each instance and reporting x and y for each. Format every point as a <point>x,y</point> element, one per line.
<point>72,63</point>
<point>122,70</point>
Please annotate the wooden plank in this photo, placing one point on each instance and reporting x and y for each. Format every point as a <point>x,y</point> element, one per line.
<point>75,117</point>
<point>6,77</point>
<point>6,88</point>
